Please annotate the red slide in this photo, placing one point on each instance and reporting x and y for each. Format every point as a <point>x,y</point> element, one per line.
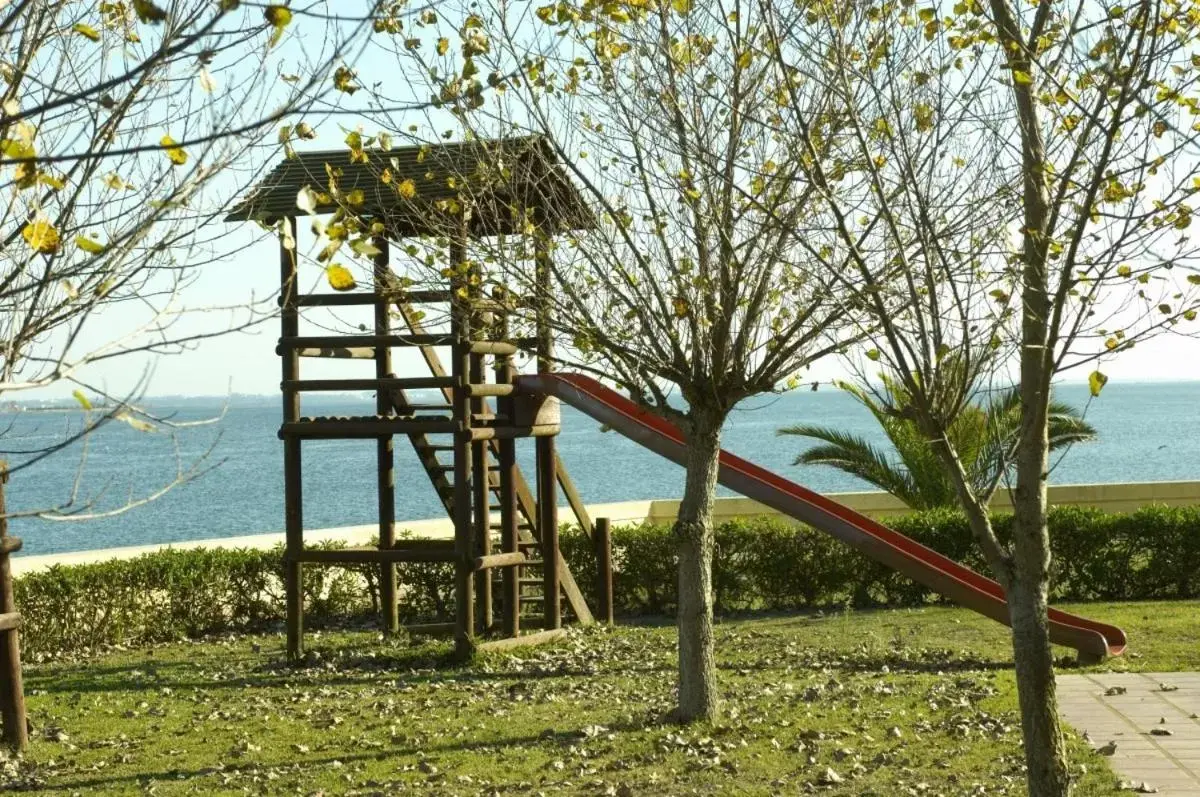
<point>924,565</point>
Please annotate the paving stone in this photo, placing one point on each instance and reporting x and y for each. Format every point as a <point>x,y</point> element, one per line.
<point>1169,763</point>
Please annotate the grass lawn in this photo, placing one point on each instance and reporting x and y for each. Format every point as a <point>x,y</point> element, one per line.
<point>902,702</point>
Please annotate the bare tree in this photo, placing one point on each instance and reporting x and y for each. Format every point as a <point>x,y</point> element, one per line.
<point>689,289</point>
<point>1032,169</point>
<point>125,128</point>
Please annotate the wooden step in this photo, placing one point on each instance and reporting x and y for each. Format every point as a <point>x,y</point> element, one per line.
<point>390,383</point>
<point>287,344</point>
<point>322,427</point>
<point>373,555</point>
<point>513,432</point>
<point>352,299</point>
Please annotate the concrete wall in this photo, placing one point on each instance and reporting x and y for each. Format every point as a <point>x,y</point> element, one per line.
<point>1108,497</point>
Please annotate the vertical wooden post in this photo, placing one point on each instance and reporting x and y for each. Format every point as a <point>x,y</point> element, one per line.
<point>509,533</point>
<point>464,548</point>
<point>293,512</point>
<point>604,569</point>
<point>479,481</point>
<point>545,455</point>
<point>12,691</point>
<point>384,446</point>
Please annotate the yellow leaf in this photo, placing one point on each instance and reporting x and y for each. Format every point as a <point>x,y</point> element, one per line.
<point>114,181</point>
<point>745,59</point>
<point>174,151</point>
<point>278,17</point>
<point>41,236</point>
<point>443,46</point>
<point>89,245</point>
<point>148,12</point>
<point>82,399</point>
<point>1096,382</point>
<point>406,188</point>
<point>340,278</point>
<point>45,178</point>
<point>873,355</point>
<point>136,423</point>
<point>1022,78</point>
<point>681,6</point>
<point>86,31</point>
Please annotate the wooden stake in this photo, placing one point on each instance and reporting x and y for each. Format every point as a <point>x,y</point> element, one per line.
<point>464,547</point>
<point>545,454</point>
<point>12,692</point>
<point>384,446</point>
<point>604,581</point>
<point>293,497</point>
<point>507,455</point>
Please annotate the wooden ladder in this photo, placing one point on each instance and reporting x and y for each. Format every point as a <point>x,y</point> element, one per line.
<point>427,452</point>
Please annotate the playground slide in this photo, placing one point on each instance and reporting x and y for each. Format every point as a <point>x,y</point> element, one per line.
<point>924,565</point>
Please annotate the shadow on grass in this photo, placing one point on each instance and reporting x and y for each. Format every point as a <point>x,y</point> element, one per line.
<point>298,767</point>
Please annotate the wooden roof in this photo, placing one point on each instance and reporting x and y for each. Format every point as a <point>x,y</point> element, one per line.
<point>496,179</point>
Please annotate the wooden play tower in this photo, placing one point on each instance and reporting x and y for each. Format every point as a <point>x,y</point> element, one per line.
<point>480,482</point>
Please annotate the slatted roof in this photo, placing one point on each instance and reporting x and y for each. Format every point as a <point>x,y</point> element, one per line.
<point>496,179</point>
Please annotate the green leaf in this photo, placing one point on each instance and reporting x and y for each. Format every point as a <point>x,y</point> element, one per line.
<point>873,355</point>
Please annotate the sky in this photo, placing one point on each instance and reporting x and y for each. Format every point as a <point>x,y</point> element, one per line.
<point>246,362</point>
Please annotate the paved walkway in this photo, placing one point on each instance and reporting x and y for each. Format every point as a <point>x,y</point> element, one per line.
<point>1154,719</point>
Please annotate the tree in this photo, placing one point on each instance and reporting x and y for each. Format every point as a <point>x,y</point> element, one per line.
<point>691,279</point>
<point>121,126</point>
<point>984,434</point>
<point>1071,126</point>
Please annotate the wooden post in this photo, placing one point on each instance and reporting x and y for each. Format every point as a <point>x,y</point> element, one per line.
<point>479,481</point>
<point>293,512</point>
<point>604,569</point>
<point>464,548</point>
<point>12,692</point>
<point>509,533</point>
<point>384,446</point>
<point>545,455</point>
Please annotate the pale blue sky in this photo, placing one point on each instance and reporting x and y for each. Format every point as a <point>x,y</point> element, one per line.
<point>246,362</point>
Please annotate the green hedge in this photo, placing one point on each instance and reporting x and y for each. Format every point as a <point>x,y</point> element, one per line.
<point>1153,553</point>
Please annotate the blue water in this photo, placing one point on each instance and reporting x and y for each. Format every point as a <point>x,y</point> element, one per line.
<point>1147,433</point>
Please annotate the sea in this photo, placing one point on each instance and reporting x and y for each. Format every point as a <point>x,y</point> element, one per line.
<point>1147,432</point>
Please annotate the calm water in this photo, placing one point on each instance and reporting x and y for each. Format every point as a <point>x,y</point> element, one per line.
<point>1147,433</point>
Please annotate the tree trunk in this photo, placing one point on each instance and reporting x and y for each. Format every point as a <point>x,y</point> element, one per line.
<point>695,540</point>
<point>1045,750</point>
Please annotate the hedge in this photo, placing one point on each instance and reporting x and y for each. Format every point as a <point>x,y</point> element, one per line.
<point>1153,553</point>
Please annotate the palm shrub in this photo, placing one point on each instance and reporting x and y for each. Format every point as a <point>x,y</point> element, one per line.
<point>983,433</point>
